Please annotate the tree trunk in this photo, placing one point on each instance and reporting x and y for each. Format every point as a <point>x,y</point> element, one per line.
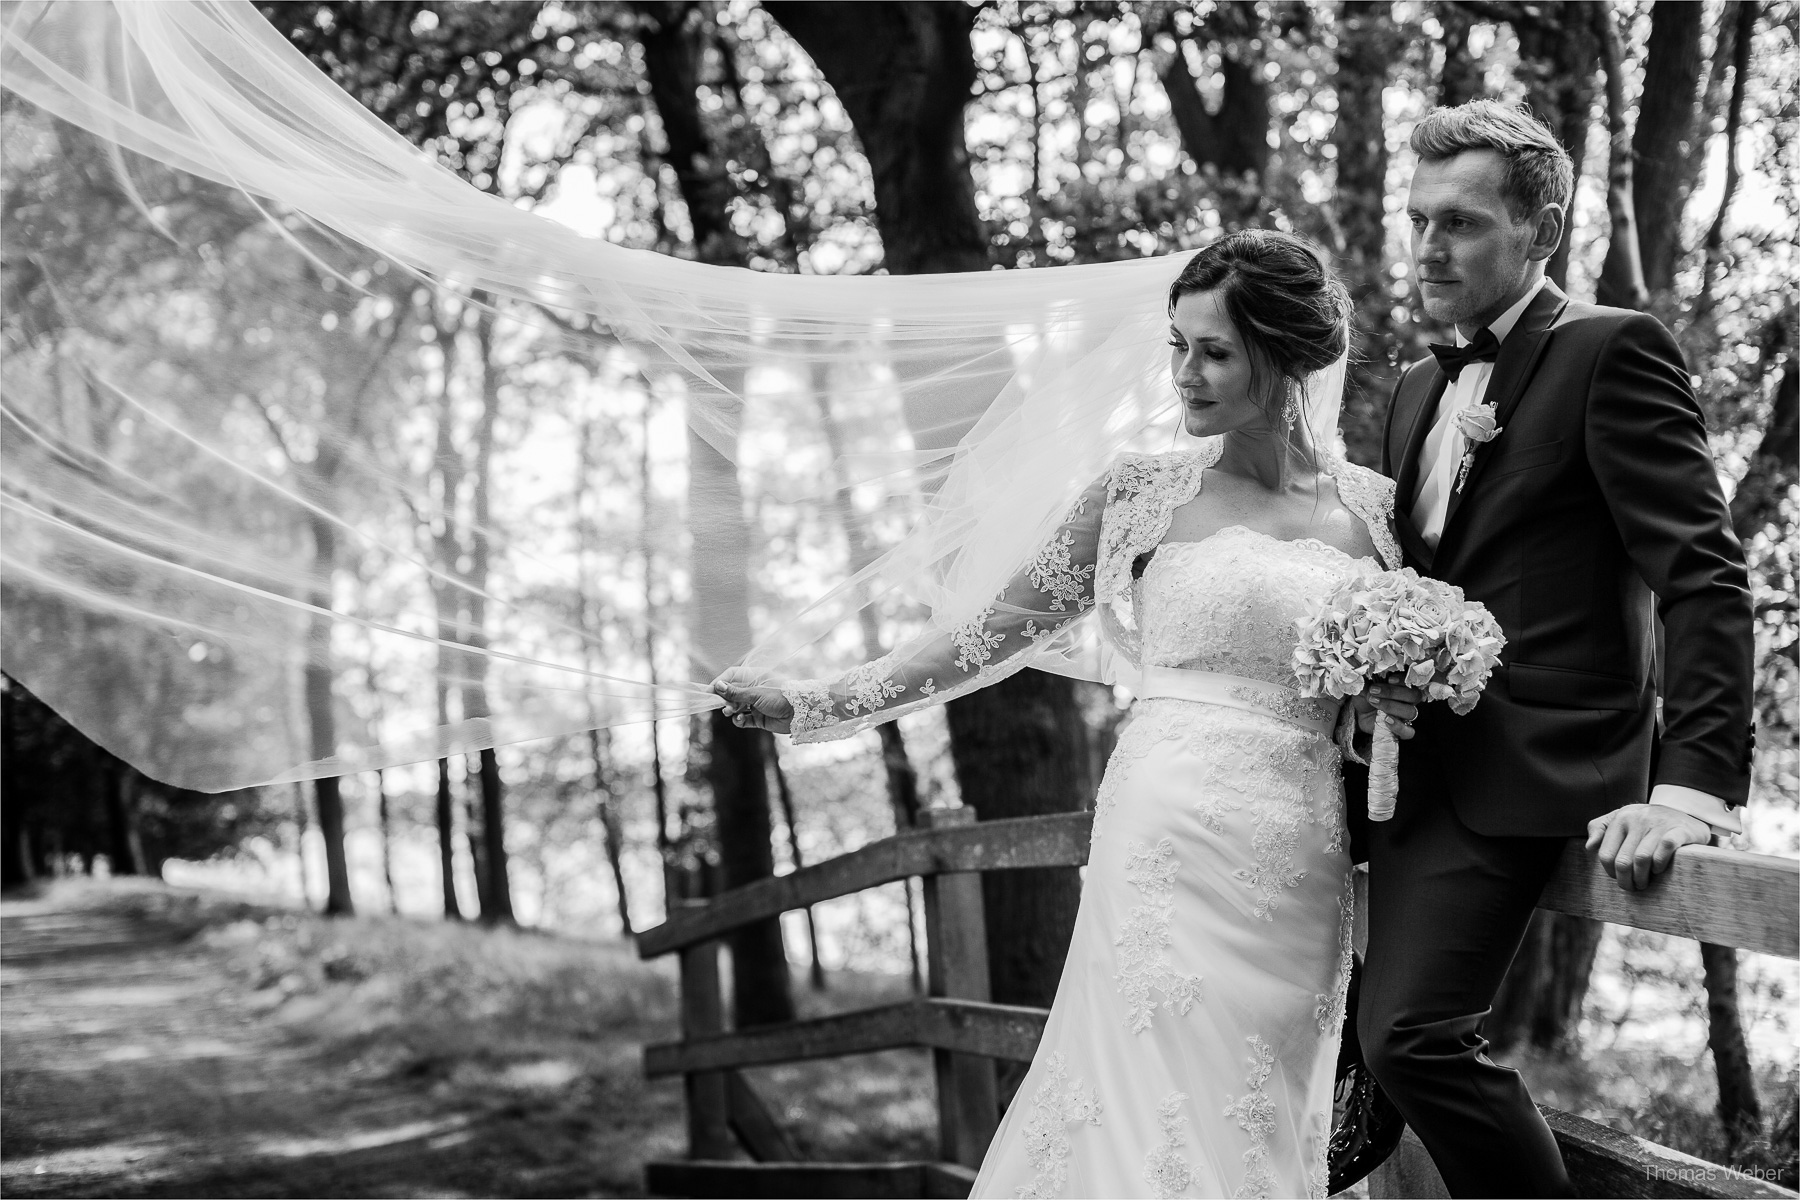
<point>1461,79</point>
<point>735,769</point>
<point>1622,275</point>
<point>1742,36</point>
<point>1235,140</point>
<point>673,34</point>
<point>322,719</point>
<point>125,850</point>
<point>444,541</point>
<point>1367,49</point>
<point>1557,55</point>
<point>301,825</point>
<point>475,834</point>
<point>1740,1112</point>
<point>496,905</point>
<point>446,837</point>
<point>1021,752</point>
<point>1775,467</point>
<point>1718,86</point>
<point>16,867</point>
<point>896,764</point>
<point>817,976</point>
<point>384,817</point>
<point>612,830</point>
<point>903,71</point>
<point>659,792</point>
<point>1667,125</point>
<point>902,779</point>
<point>1540,999</point>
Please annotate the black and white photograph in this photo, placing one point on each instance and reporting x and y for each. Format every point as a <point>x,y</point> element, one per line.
<point>1018,599</point>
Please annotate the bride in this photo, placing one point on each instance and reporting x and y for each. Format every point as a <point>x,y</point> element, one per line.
<point>1191,1046</point>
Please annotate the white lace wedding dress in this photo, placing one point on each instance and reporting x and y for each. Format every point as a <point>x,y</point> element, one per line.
<point>1191,1047</point>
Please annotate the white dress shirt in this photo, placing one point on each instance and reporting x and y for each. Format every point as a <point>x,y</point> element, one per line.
<point>1445,445</point>
<point>1439,460</point>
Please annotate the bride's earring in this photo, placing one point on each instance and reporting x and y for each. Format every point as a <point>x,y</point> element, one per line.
<point>1290,411</point>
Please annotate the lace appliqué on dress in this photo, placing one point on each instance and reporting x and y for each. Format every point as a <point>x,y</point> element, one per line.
<point>1370,495</point>
<point>1165,1170</point>
<point>1294,708</point>
<point>1053,573</point>
<point>1142,495</point>
<point>974,642</point>
<point>1057,1105</point>
<point>1255,1113</point>
<point>1144,938</point>
<point>1318,1172</point>
<point>870,687</point>
<point>811,699</point>
<point>1331,1006</point>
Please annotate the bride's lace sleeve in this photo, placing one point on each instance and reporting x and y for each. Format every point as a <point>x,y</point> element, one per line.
<point>1370,495</point>
<point>1053,591</point>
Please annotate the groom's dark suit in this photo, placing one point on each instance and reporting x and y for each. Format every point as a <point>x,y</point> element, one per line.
<point>1595,510</point>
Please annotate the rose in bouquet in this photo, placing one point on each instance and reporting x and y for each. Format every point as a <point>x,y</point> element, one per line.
<point>1397,627</point>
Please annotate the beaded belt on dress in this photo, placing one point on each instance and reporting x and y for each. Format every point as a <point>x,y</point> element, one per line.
<point>1235,691</point>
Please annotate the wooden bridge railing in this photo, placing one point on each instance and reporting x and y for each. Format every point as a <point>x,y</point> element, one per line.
<point>1725,897</point>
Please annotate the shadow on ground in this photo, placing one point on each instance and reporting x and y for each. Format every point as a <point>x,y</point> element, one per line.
<point>160,1043</point>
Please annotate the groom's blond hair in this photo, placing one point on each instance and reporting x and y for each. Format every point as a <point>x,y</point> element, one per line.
<point>1538,169</point>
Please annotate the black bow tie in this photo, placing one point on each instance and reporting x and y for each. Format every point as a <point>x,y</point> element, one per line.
<point>1485,348</point>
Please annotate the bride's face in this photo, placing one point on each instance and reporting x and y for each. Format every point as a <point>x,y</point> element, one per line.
<point>1211,369</point>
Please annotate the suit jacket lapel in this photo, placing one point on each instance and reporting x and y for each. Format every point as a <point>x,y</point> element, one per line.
<point>1417,426</point>
<point>1415,422</point>
<point>1519,355</point>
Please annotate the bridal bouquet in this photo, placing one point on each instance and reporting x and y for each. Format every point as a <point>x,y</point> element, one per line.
<point>1397,627</point>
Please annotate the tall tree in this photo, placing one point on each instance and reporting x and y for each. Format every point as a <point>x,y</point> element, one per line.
<point>903,69</point>
<point>1558,53</point>
<point>675,35</point>
<point>1668,122</point>
<point>439,530</point>
<point>496,904</point>
<point>1622,274</point>
<point>1368,45</point>
<point>1461,78</point>
<point>1235,139</point>
<point>1743,32</point>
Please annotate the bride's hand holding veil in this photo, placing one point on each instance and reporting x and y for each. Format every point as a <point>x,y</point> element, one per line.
<point>752,704</point>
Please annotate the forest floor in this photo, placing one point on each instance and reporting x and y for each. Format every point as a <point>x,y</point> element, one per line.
<point>160,1042</point>
<point>169,1042</point>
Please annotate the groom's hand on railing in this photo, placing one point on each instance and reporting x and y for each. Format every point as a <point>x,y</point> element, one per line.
<point>1640,840</point>
<point>753,705</point>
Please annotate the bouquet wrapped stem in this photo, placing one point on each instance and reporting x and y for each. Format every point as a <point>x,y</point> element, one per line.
<point>1384,772</point>
<point>1397,627</point>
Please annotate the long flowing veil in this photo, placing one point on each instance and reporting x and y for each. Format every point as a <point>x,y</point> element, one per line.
<point>271,448</point>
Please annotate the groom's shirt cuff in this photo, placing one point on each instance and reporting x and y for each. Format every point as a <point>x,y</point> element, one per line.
<point>1696,803</point>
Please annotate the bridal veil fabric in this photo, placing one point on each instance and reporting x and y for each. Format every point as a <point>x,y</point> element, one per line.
<point>243,313</point>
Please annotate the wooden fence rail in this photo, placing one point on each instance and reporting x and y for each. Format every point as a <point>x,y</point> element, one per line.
<point>1726,897</point>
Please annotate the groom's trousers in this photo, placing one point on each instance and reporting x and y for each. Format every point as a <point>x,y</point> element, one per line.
<point>1447,910</point>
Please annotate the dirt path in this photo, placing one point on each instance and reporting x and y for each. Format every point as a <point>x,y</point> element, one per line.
<point>135,1063</point>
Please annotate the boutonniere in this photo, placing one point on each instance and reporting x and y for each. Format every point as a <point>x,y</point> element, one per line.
<point>1477,425</point>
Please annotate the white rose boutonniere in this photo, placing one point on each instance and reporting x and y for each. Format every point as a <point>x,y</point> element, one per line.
<point>1477,425</point>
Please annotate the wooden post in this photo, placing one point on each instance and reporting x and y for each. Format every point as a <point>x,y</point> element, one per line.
<point>702,1012</point>
<point>956,937</point>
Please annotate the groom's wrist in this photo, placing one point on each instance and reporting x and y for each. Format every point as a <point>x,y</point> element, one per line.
<point>1720,817</point>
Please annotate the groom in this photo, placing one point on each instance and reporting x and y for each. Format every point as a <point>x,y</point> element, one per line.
<point>1553,464</point>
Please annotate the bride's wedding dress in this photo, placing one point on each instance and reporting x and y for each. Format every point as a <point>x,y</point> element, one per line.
<point>1191,1046</point>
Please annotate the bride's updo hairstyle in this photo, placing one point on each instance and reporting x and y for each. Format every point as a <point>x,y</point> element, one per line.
<point>1290,310</point>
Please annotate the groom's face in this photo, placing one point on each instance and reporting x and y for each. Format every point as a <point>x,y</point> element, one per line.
<point>1473,257</point>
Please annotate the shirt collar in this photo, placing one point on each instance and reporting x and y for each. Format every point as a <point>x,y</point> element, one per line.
<point>1503,324</point>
